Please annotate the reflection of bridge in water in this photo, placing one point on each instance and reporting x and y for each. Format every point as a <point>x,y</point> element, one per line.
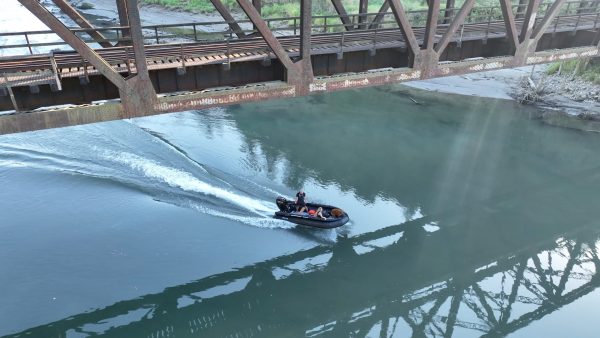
<point>482,276</point>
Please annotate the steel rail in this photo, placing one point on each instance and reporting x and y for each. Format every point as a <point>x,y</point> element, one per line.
<point>71,62</point>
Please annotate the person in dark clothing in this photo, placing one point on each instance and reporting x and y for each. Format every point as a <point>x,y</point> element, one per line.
<point>301,201</point>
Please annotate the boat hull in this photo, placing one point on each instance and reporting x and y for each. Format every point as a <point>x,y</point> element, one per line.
<point>312,221</point>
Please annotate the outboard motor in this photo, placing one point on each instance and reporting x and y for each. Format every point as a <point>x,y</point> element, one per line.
<point>281,203</point>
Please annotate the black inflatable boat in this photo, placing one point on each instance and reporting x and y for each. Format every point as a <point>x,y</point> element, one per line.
<point>334,217</point>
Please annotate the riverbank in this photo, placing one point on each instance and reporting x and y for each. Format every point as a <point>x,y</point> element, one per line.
<point>157,15</point>
<point>562,101</point>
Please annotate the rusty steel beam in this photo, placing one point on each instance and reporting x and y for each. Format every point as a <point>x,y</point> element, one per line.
<point>341,11</point>
<point>74,41</point>
<point>137,38</point>
<point>305,71</point>
<point>363,9</point>
<point>380,15</point>
<point>123,21</point>
<point>433,13</point>
<point>548,17</point>
<point>405,26</point>
<point>72,13</point>
<point>449,12</point>
<point>258,5</point>
<point>139,94</point>
<point>529,21</point>
<point>458,20</point>
<point>235,28</point>
<point>305,28</point>
<point>266,34</point>
<point>521,8</point>
<point>509,21</point>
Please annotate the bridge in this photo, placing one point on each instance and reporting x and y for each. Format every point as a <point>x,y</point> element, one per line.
<point>93,74</point>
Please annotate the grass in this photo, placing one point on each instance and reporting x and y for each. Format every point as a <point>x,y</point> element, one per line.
<point>85,5</point>
<point>280,8</point>
<point>291,8</point>
<point>589,71</point>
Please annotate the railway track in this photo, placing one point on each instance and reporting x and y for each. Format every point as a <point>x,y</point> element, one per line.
<point>39,69</point>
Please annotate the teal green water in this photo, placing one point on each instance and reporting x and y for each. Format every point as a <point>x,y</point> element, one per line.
<point>469,218</point>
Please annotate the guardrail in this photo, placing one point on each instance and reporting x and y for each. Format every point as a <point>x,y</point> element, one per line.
<point>37,42</point>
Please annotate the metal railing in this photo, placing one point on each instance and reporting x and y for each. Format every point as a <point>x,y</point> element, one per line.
<point>35,42</point>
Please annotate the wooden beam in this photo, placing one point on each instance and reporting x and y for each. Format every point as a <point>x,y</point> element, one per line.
<point>405,27</point>
<point>74,41</point>
<point>458,20</point>
<point>72,13</point>
<point>509,22</point>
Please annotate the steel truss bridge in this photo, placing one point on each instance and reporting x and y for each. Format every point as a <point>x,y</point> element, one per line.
<point>130,70</point>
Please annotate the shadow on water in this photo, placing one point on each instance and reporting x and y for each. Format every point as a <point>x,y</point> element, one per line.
<point>491,280</point>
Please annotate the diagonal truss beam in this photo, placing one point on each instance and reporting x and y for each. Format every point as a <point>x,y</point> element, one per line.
<point>505,315</point>
<point>432,22</point>
<point>72,13</point>
<point>457,22</point>
<point>509,21</point>
<point>573,254</point>
<point>529,20</point>
<point>124,22</point>
<point>266,34</point>
<point>550,14</point>
<point>380,15</point>
<point>405,27</point>
<point>74,41</point>
<point>235,27</point>
<point>341,10</point>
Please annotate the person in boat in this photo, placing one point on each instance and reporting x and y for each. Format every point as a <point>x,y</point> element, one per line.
<point>319,213</point>
<point>337,213</point>
<point>301,201</point>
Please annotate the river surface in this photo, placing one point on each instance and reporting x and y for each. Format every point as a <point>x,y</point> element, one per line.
<point>469,218</point>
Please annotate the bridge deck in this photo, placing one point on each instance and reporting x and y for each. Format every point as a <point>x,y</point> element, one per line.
<point>38,69</point>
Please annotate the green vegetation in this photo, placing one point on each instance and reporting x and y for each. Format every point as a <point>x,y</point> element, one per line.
<point>203,6</point>
<point>291,8</point>
<point>586,69</point>
<point>85,5</point>
<point>280,8</point>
